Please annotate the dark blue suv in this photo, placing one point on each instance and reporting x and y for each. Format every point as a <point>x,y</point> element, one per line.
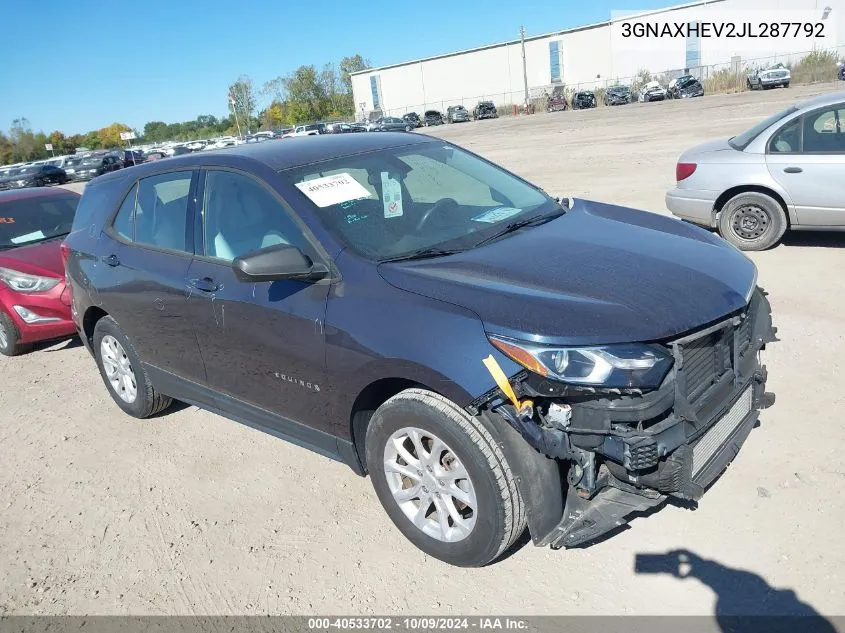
<point>491,356</point>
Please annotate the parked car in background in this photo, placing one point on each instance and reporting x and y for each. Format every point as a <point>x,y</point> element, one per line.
<point>35,176</point>
<point>456,114</point>
<point>841,71</point>
<point>413,118</point>
<point>8,177</point>
<point>155,154</point>
<point>390,124</point>
<point>565,396</point>
<point>34,302</point>
<point>338,127</point>
<point>311,129</point>
<point>777,76</point>
<point>786,172</point>
<point>583,100</point>
<point>557,101</point>
<point>358,126</point>
<point>485,110</point>
<point>132,157</point>
<point>433,117</point>
<point>617,95</point>
<point>685,87</point>
<point>652,91</point>
<point>95,165</point>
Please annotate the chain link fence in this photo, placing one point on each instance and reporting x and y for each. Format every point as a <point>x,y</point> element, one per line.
<point>809,67</point>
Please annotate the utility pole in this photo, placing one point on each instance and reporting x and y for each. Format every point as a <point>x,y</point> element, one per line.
<point>524,67</point>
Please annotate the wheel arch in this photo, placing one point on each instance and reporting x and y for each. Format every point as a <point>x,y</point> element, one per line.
<point>726,195</point>
<point>89,321</point>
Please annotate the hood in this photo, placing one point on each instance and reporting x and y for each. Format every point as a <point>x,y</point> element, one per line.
<point>598,274</point>
<point>44,258</point>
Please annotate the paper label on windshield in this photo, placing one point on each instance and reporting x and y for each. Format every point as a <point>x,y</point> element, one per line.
<point>391,194</point>
<point>331,190</point>
<point>497,215</point>
<point>29,237</point>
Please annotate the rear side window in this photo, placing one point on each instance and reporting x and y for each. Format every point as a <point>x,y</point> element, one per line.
<point>124,221</point>
<point>155,212</point>
<point>95,198</point>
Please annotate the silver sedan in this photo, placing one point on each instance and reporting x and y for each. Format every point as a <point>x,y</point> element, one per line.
<point>787,172</point>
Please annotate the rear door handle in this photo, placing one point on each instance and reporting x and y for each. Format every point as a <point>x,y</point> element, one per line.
<point>206,284</point>
<point>111,260</point>
<point>793,170</point>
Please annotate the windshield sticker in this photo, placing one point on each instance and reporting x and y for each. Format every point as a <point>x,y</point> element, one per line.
<point>332,190</point>
<point>391,194</point>
<point>38,235</point>
<point>497,215</point>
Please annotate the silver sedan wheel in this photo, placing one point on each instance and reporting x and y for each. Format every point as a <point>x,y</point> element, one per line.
<point>118,369</point>
<point>750,222</point>
<point>430,484</point>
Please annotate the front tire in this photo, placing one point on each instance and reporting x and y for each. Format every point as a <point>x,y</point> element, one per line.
<point>443,479</point>
<point>122,372</point>
<point>752,221</point>
<point>10,344</point>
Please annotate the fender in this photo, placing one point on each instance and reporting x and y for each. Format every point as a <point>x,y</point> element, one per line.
<point>538,478</point>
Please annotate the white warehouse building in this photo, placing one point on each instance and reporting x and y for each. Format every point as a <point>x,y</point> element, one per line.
<point>598,55</point>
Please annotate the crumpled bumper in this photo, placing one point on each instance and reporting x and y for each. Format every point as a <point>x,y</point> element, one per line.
<point>626,452</point>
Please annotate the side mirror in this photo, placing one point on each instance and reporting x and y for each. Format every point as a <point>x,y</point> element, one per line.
<point>273,263</point>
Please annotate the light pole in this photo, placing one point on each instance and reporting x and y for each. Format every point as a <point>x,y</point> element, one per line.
<point>524,66</point>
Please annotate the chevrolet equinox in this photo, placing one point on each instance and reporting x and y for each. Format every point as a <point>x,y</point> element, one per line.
<point>493,357</point>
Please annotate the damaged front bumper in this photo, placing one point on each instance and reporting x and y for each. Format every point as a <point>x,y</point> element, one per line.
<point>624,451</point>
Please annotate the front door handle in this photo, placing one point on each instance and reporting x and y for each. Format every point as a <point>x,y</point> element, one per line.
<point>111,260</point>
<point>793,170</point>
<point>206,284</point>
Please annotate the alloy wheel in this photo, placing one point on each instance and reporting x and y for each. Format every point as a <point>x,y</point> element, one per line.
<point>430,484</point>
<point>4,336</point>
<point>118,369</point>
<point>749,222</point>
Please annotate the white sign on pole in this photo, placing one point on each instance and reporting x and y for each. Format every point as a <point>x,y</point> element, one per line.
<point>127,136</point>
<point>48,147</point>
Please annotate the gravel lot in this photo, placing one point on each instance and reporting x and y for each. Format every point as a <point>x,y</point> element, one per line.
<point>192,514</point>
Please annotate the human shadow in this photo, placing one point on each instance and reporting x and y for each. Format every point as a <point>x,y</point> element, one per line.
<point>745,602</point>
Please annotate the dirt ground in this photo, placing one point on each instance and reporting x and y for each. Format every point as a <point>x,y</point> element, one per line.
<point>193,514</point>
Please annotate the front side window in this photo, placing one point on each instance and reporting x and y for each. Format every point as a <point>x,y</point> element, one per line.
<point>30,220</point>
<point>239,215</point>
<point>161,211</point>
<point>396,202</point>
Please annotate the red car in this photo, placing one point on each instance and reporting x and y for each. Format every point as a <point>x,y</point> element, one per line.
<point>34,301</point>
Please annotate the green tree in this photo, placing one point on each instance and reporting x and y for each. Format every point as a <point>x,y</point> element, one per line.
<point>349,65</point>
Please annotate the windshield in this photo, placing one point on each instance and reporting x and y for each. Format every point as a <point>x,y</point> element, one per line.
<point>741,141</point>
<point>35,219</point>
<point>26,171</point>
<point>92,161</point>
<point>394,202</point>
<point>618,89</point>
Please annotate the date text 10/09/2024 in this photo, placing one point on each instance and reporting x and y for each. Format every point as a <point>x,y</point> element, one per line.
<point>425,623</point>
<point>723,29</point>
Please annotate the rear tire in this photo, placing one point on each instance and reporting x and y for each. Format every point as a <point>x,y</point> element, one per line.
<point>450,456</point>
<point>752,221</point>
<point>121,368</point>
<point>10,344</point>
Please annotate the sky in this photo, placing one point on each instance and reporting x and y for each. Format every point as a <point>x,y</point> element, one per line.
<point>104,61</point>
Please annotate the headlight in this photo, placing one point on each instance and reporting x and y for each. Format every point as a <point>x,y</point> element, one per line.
<point>21,282</point>
<point>633,365</point>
